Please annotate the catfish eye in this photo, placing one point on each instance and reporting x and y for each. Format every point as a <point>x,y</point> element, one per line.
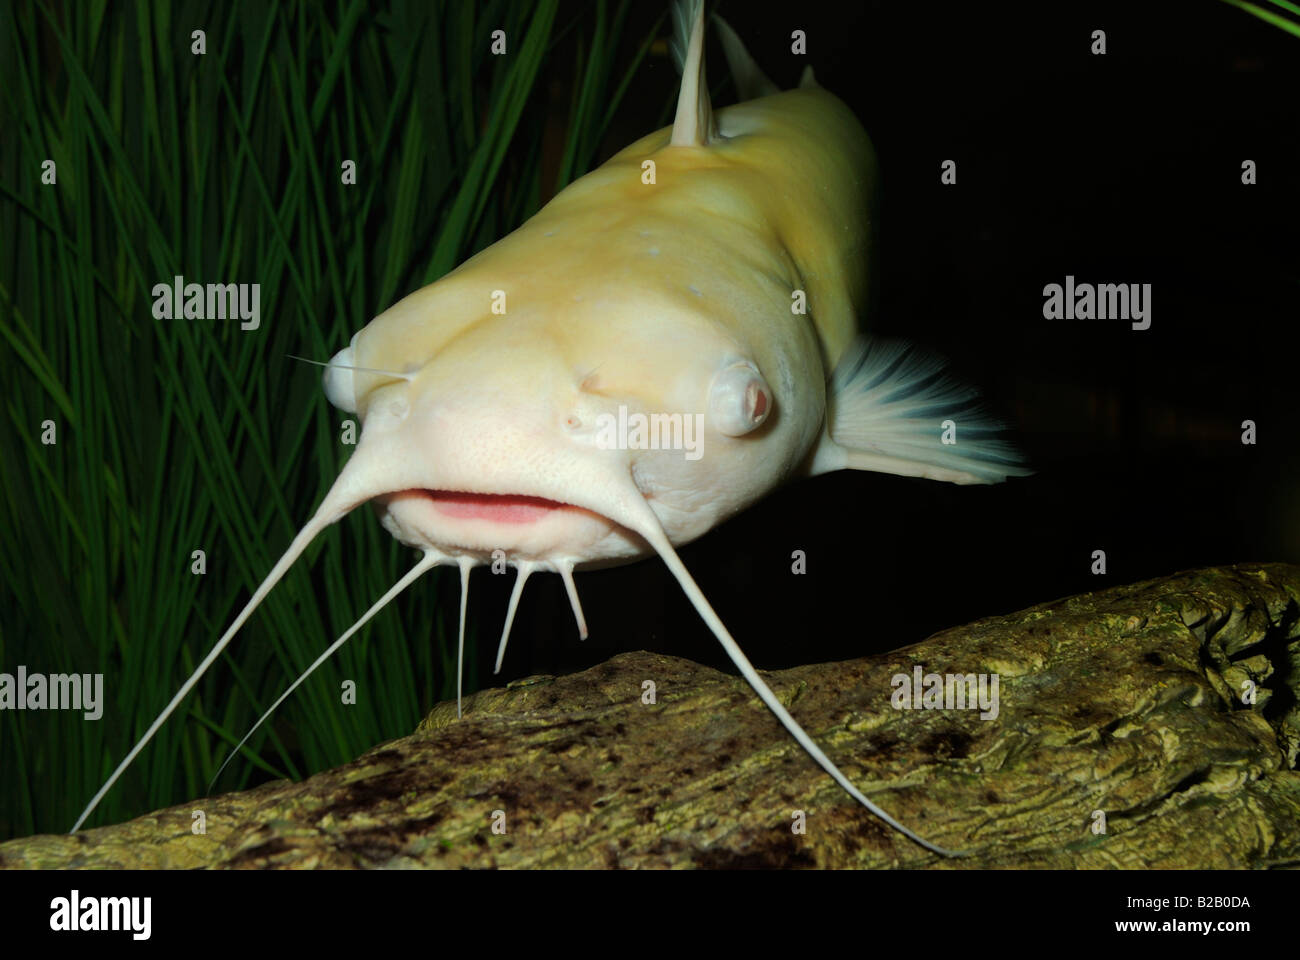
<point>338,382</point>
<point>739,400</point>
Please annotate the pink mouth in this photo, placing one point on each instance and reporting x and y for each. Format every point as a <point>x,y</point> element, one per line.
<point>498,508</point>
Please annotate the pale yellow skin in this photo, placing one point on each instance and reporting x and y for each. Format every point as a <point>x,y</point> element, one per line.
<point>626,292</point>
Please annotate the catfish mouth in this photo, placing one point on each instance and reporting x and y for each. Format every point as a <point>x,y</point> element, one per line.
<point>526,527</point>
<point>494,507</point>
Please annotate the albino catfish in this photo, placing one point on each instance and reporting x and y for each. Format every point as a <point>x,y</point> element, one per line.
<point>708,276</point>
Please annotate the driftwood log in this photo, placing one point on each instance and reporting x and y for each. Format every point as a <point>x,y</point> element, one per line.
<point>1125,737</point>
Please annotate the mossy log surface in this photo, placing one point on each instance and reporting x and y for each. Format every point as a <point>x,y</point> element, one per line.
<point>1130,703</point>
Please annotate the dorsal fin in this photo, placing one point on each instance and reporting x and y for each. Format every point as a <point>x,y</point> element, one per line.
<point>694,124</point>
<point>751,82</point>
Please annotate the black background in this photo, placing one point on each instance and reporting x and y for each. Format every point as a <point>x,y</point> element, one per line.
<point>1123,168</point>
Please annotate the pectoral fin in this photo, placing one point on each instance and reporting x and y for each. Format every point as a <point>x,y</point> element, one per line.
<point>892,409</point>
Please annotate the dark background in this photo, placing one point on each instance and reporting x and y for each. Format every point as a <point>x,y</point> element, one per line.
<point>1117,168</point>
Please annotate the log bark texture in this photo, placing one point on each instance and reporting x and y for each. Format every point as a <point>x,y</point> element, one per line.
<point>1131,705</point>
